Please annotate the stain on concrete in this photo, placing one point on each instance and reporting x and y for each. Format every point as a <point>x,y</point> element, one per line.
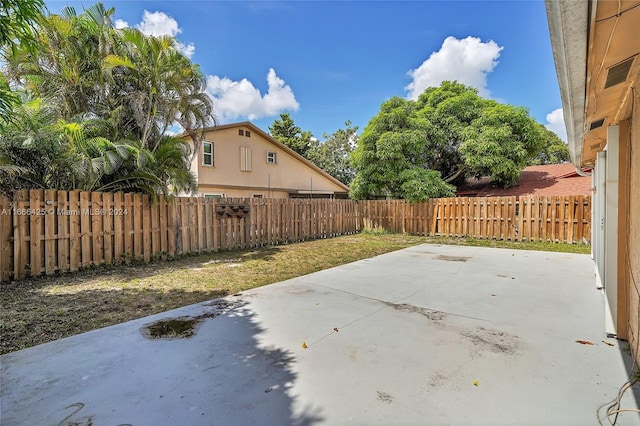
<point>437,380</point>
<point>385,397</point>
<point>352,354</point>
<point>431,314</point>
<point>453,258</point>
<point>298,290</point>
<point>487,340</point>
<point>493,340</point>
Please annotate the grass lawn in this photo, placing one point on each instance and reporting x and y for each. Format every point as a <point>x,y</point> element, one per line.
<point>43,309</point>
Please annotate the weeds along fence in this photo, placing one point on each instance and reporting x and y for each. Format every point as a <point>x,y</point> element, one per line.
<point>49,231</point>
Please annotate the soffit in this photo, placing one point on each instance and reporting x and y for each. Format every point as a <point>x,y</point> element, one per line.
<point>614,37</point>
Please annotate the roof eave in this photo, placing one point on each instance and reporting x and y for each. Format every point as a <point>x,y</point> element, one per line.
<point>568,28</point>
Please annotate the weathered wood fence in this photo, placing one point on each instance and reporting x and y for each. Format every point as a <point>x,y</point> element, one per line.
<point>44,232</point>
<point>565,219</point>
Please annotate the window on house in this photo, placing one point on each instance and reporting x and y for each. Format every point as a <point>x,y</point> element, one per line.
<point>272,157</point>
<point>247,133</point>
<point>241,132</point>
<point>207,153</point>
<point>213,196</point>
<point>245,159</point>
<point>257,195</point>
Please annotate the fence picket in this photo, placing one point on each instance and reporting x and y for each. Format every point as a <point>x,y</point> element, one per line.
<point>6,238</point>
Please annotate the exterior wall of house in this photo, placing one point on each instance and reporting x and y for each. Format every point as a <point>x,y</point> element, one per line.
<point>240,168</point>
<point>632,277</point>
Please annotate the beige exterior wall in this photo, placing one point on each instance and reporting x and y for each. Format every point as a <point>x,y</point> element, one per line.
<point>289,174</point>
<point>632,238</point>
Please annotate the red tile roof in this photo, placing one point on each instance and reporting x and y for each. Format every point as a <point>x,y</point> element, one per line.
<point>548,179</point>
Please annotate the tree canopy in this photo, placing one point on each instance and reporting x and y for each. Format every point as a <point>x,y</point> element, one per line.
<point>420,149</point>
<point>286,131</point>
<point>101,99</point>
<point>334,154</point>
<point>554,151</point>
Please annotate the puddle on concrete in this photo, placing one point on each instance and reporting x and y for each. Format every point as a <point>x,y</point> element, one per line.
<point>453,258</point>
<point>184,327</point>
<point>172,328</point>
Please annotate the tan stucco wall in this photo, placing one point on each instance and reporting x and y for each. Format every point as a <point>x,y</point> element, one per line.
<point>633,236</point>
<point>288,174</point>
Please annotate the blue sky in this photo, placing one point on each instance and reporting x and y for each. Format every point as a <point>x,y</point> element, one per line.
<point>327,62</point>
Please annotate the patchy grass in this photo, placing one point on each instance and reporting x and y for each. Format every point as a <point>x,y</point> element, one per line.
<point>523,245</point>
<point>43,309</point>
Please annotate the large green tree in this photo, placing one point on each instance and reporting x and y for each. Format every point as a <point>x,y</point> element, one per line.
<point>333,155</point>
<point>554,151</point>
<point>420,149</point>
<point>119,87</point>
<point>286,131</point>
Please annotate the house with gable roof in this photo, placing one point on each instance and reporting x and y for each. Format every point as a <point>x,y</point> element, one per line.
<point>241,160</point>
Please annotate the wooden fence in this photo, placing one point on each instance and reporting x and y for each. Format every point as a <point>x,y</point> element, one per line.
<point>565,219</point>
<point>50,231</point>
<point>44,232</point>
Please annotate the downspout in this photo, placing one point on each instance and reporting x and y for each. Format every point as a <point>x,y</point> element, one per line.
<point>581,172</point>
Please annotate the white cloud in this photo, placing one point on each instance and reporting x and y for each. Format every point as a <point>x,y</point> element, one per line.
<point>160,24</point>
<point>187,50</point>
<point>555,123</point>
<point>468,61</point>
<point>119,24</point>
<point>233,99</point>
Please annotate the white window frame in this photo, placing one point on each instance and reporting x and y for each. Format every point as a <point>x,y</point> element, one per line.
<point>272,157</point>
<point>210,154</point>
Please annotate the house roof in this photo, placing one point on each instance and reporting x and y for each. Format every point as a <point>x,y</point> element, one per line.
<point>548,179</point>
<point>275,142</point>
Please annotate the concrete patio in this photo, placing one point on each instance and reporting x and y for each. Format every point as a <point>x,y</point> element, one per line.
<point>428,335</point>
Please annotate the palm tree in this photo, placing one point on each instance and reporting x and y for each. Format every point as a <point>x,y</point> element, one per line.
<point>161,85</point>
<point>116,93</point>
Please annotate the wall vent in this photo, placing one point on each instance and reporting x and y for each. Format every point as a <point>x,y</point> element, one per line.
<point>596,124</point>
<point>595,146</point>
<point>618,73</point>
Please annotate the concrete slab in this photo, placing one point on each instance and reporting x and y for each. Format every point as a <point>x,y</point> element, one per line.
<point>426,335</point>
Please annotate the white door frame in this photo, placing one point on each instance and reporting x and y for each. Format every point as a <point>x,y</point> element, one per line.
<point>611,230</point>
<point>599,208</point>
